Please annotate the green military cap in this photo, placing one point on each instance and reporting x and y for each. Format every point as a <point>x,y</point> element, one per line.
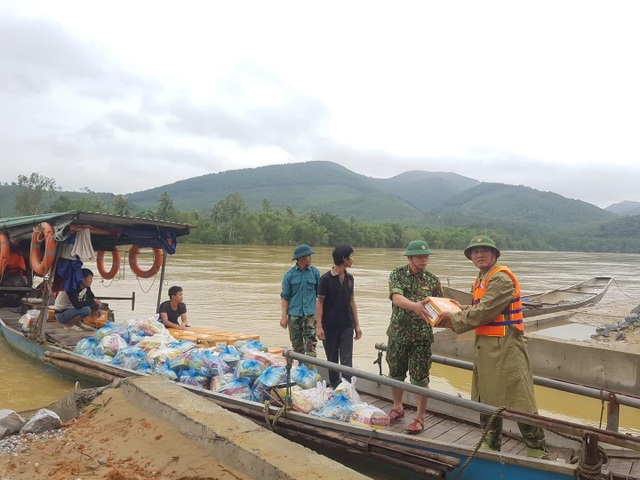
<point>481,242</point>
<point>417,247</point>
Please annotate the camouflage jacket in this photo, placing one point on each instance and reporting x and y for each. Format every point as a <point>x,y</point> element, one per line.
<point>405,326</point>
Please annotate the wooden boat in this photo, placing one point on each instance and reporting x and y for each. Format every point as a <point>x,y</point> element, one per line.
<point>41,241</point>
<point>448,448</point>
<point>575,296</point>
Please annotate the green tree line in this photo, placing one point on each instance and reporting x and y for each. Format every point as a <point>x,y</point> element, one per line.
<point>229,221</point>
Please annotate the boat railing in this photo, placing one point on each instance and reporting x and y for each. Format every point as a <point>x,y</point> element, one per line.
<point>614,400</point>
<point>556,425</point>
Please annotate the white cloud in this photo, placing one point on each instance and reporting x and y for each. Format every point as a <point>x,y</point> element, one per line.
<point>123,96</point>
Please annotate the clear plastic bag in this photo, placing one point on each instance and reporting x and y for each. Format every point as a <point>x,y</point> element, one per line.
<point>28,320</point>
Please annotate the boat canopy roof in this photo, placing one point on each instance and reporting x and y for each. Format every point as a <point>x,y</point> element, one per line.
<point>107,230</point>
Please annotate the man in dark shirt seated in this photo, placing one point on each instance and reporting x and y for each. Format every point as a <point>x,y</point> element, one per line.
<point>173,312</point>
<point>72,306</point>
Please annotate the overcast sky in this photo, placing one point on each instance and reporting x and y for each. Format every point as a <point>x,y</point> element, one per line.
<point>123,96</point>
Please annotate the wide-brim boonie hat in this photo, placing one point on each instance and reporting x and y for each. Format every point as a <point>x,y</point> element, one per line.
<point>481,242</point>
<point>417,247</point>
<point>302,251</point>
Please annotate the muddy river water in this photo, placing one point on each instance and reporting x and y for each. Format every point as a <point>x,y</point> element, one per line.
<point>237,288</point>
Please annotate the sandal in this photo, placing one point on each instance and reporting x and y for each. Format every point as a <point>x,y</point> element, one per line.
<point>415,427</point>
<point>395,415</point>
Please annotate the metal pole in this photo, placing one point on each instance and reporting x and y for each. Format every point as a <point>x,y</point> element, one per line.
<point>583,390</point>
<point>553,424</point>
<point>164,263</point>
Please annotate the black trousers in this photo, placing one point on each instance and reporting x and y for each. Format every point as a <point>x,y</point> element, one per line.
<point>338,346</point>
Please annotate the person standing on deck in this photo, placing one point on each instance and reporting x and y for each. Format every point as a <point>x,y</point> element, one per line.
<point>173,312</point>
<point>337,314</point>
<point>409,333</point>
<point>298,301</point>
<point>502,374</point>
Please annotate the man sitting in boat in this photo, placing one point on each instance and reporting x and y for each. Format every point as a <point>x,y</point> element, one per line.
<point>75,304</point>
<point>173,312</point>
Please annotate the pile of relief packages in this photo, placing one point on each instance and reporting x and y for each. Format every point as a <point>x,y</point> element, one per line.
<point>244,369</point>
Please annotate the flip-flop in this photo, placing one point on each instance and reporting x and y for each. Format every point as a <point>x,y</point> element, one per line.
<point>415,427</point>
<point>395,415</point>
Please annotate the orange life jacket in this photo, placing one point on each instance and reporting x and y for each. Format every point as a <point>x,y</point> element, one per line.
<point>511,315</point>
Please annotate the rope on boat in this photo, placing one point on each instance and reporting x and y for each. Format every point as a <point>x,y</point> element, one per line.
<point>592,472</point>
<point>286,401</point>
<point>623,292</point>
<point>479,444</point>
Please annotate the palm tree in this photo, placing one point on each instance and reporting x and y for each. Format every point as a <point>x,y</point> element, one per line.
<point>165,206</point>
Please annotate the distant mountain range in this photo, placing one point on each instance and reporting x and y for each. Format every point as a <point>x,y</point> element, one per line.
<point>436,199</point>
<point>624,208</point>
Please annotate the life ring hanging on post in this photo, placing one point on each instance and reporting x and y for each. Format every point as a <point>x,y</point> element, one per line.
<point>5,250</point>
<point>115,264</point>
<point>158,255</point>
<point>41,264</point>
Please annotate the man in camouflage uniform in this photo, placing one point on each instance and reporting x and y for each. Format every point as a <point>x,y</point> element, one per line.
<point>298,300</point>
<point>409,334</point>
<point>502,373</point>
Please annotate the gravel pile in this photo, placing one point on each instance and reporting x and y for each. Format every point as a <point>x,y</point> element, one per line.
<point>16,444</point>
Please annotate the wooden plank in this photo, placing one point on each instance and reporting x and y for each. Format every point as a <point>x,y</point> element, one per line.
<point>563,454</point>
<point>635,469</point>
<point>620,466</point>
<point>438,429</point>
<point>509,444</point>
<point>454,434</point>
<point>471,438</point>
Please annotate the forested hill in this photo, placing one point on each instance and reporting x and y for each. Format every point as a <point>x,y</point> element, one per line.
<point>438,205</point>
<point>325,187</point>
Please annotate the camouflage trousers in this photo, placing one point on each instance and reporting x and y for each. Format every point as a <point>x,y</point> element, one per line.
<point>302,332</point>
<point>533,436</point>
<point>408,357</point>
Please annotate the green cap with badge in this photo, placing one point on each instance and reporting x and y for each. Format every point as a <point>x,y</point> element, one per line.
<point>481,242</point>
<point>417,247</point>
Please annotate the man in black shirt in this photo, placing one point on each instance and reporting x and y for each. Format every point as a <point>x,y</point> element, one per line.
<point>336,312</point>
<point>173,312</point>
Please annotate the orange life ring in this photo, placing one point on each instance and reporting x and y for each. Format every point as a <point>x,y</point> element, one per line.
<point>158,255</point>
<point>115,265</point>
<point>41,264</point>
<point>5,250</point>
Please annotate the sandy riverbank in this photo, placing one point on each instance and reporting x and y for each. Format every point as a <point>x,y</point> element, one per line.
<point>126,436</point>
<point>604,314</point>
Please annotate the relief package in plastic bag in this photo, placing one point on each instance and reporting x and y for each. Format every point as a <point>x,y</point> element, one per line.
<point>369,416</point>
<point>338,408</point>
<point>110,344</point>
<point>219,382</point>
<point>312,399</point>
<point>193,377</point>
<point>250,369</point>
<point>164,370</point>
<point>305,377</point>
<point>230,355</point>
<point>86,347</point>
<point>28,320</point>
<point>211,361</point>
<point>348,389</point>
<point>238,387</point>
<point>270,377</point>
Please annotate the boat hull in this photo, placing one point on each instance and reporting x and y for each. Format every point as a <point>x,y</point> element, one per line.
<point>559,300</point>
